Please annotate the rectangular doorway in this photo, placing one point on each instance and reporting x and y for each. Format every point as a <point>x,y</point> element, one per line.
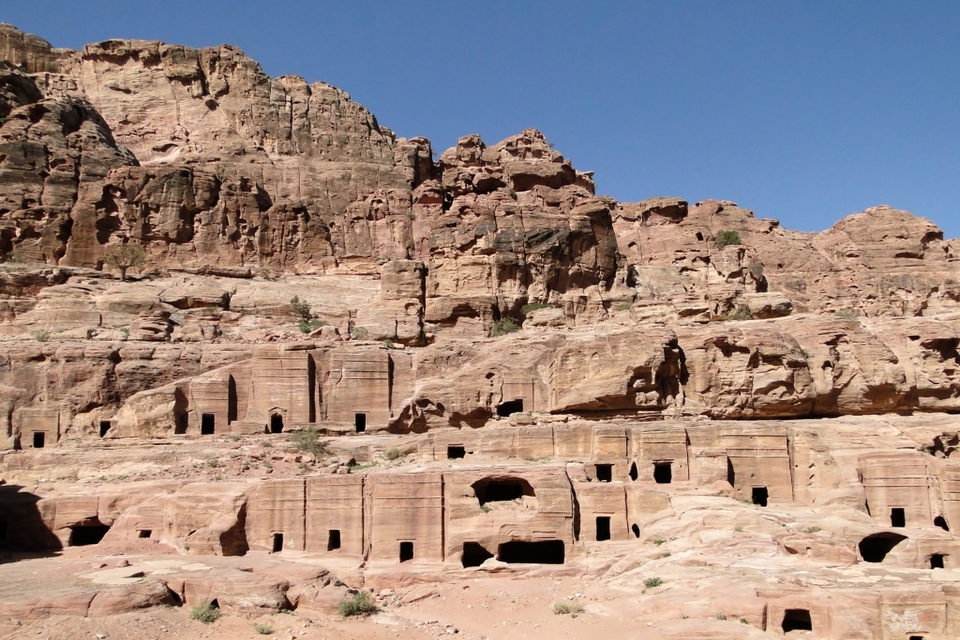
<point>360,422</point>
<point>406,551</point>
<point>208,423</point>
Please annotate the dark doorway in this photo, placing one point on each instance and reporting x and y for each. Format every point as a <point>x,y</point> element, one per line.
<point>898,517</point>
<point>731,474</point>
<point>3,530</point>
<point>182,421</point>
<point>636,530</point>
<point>276,423</point>
<point>360,422</point>
<point>454,452</point>
<point>84,535</point>
<point>333,540</point>
<point>277,542</point>
<point>39,438</point>
<point>545,552</point>
<point>406,551</point>
<point>208,423</point>
<point>941,522</point>
<point>505,409</point>
<point>144,533</point>
<point>634,472</point>
<point>662,472</point>
<point>936,561</point>
<point>759,496</point>
<point>796,620</point>
<point>603,528</point>
<point>104,427</point>
<point>874,548</point>
<point>474,555</point>
<point>604,473</point>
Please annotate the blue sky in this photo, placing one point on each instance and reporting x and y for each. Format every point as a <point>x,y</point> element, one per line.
<point>801,110</point>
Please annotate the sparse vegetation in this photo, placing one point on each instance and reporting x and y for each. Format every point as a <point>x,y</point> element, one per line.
<point>659,541</point>
<point>572,609</point>
<point>533,306</point>
<point>721,616</point>
<point>262,629</point>
<point>846,314</point>
<point>812,529</point>
<point>359,604</point>
<point>308,441</point>
<point>650,583</point>
<point>300,309</point>
<point>726,238</point>
<point>502,327</point>
<point>623,306</point>
<point>51,67</point>
<point>513,194</point>
<point>485,508</point>
<point>205,613</point>
<point>740,312</point>
<point>393,454</point>
<point>306,326</point>
<point>360,333</point>
<point>41,335</point>
<point>125,257</point>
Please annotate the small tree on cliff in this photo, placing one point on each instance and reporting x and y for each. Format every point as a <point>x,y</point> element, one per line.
<point>126,256</point>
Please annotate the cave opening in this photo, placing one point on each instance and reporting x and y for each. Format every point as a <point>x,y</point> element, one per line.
<point>636,530</point>
<point>542,552</point>
<point>936,561</point>
<point>796,620</point>
<point>941,522</point>
<point>144,533</point>
<point>456,451</point>
<point>87,534</point>
<point>474,554</point>
<point>501,489</point>
<point>510,407</point>
<point>875,547</point>
<point>634,472</point>
<point>104,427</point>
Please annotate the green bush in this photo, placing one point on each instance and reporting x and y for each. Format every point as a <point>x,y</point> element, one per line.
<point>262,629</point>
<point>300,309</point>
<point>205,613</point>
<point>360,604</point>
<point>725,238</point>
<point>41,335</point>
<point>308,441</point>
<point>393,454</point>
<point>360,333</point>
<point>739,313</point>
<point>650,583</point>
<point>306,326</point>
<point>126,256</point>
<point>502,327</point>
<point>573,609</point>
<point>533,306</point>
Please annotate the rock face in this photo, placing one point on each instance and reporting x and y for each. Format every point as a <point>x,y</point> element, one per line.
<point>508,371</point>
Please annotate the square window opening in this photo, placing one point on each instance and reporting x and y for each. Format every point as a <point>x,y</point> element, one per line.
<point>208,423</point>
<point>759,496</point>
<point>144,533</point>
<point>663,472</point>
<point>454,452</point>
<point>898,517</point>
<point>604,473</point>
<point>603,528</point>
<point>333,540</point>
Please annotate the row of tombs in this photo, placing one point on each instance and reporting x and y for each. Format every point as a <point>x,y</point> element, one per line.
<point>535,513</point>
